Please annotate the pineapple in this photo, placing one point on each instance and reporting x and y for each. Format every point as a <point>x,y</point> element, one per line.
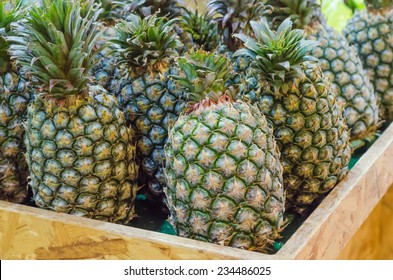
<point>143,8</point>
<point>306,115</point>
<point>198,30</point>
<point>105,70</point>
<point>234,16</point>
<point>223,166</point>
<point>14,98</point>
<point>148,48</point>
<point>80,152</point>
<point>339,62</point>
<point>370,32</point>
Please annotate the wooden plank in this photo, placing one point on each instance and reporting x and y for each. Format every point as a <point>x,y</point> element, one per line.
<point>332,225</point>
<point>374,239</point>
<point>366,243</point>
<point>32,233</point>
<point>386,221</point>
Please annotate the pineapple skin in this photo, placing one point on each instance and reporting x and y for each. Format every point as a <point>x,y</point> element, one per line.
<point>14,99</point>
<point>311,133</point>
<point>370,32</point>
<point>151,103</point>
<point>224,177</point>
<point>342,65</point>
<point>82,158</point>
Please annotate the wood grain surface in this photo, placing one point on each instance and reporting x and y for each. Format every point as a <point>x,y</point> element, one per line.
<point>374,239</point>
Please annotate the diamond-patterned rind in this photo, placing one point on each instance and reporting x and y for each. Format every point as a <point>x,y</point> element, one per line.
<point>225,177</point>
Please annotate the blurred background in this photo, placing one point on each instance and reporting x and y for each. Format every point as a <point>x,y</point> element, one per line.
<point>336,12</point>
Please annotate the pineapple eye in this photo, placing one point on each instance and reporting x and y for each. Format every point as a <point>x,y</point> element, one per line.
<point>87,113</point>
<point>94,131</point>
<point>48,129</point>
<point>104,114</point>
<point>83,146</point>
<point>64,140</point>
<point>71,177</point>
<point>61,120</point>
<point>38,119</point>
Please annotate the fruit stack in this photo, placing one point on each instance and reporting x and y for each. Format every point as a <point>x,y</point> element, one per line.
<point>230,120</point>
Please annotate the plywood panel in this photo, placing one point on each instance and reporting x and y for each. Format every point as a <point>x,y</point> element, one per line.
<point>386,221</point>
<point>31,233</point>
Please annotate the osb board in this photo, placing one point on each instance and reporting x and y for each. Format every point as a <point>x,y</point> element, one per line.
<point>374,239</point>
<point>31,233</point>
<point>386,236</point>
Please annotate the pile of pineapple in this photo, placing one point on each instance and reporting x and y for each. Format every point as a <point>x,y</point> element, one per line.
<point>229,118</point>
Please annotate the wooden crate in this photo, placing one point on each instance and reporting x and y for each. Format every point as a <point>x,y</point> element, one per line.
<point>341,227</point>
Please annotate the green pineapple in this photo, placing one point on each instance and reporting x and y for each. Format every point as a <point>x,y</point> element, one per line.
<point>370,32</point>
<point>305,113</point>
<point>339,61</point>
<point>14,98</point>
<point>198,30</point>
<point>223,166</point>
<point>148,48</point>
<point>234,17</point>
<point>106,71</point>
<point>79,150</point>
<point>143,8</point>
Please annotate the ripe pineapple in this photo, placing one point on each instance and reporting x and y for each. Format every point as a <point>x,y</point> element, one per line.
<point>305,113</point>
<point>370,32</point>
<point>339,61</point>
<point>79,150</point>
<point>148,48</point>
<point>223,166</point>
<point>14,98</point>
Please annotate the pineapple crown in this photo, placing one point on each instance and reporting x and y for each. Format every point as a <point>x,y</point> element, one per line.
<point>109,10</point>
<point>201,29</point>
<point>277,56</point>
<point>10,11</point>
<point>301,12</point>
<point>234,16</point>
<point>379,4</point>
<point>56,46</point>
<point>147,44</point>
<point>204,76</point>
<point>143,8</point>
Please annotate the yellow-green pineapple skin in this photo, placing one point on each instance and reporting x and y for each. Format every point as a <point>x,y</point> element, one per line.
<point>370,32</point>
<point>312,135</point>
<point>340,63</point>
<point>151,104</point>
<point>303,109</point>
<point>80,152</point>
<point>225,177</point>
<point>82,159</point>
<point>14,99</point>
<point>148,48</point>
